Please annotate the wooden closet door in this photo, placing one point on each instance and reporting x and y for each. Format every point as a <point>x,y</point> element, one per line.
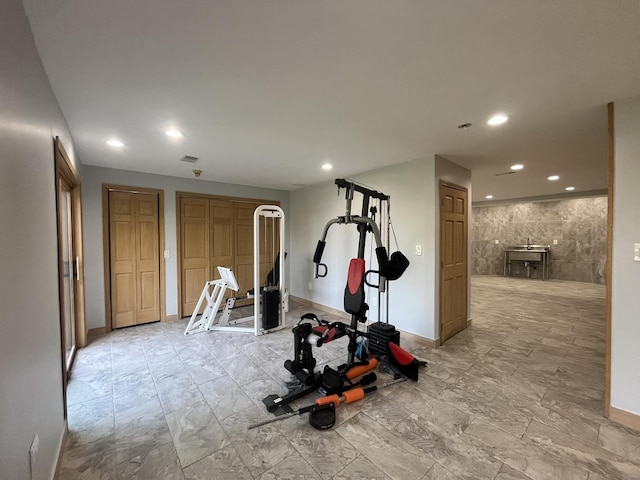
<point>195,250</point>
<point>134,256</point>
<point>270,235</point>
<point>147,258</point>
<point>221,215</point>
<point>243,241</point>
<point>122,244</point>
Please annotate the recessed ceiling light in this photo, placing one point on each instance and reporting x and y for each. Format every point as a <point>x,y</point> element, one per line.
<point>174,133</point>
<point>489,197</point>
<point>114,142</point>
<point>327,166</point>
<point>497,119</point>
<point>517,166</point>
<point>570,189</point>
<point>553,178</point>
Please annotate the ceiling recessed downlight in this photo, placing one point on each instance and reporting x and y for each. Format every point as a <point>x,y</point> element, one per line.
<point>114,142</point>
<point>553,178</point>
<point>327,166</point>
<point>497,119</point>
<point>570,189</point>
<point>174,133</point>
<point>517,166</point>
<point>489,197</point>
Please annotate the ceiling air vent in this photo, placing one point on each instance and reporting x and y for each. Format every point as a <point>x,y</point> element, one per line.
<point>504,173</point>
<point>189,159</point>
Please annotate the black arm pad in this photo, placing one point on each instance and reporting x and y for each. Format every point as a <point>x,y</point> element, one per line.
<point>383,261</point>
<point>319,251</point>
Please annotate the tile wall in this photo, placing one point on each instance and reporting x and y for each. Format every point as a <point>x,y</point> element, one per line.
<point>578,224</point>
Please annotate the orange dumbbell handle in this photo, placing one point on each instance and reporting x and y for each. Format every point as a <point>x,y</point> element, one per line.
<point>335,399</point>
<point>353,395</point>
<point>348,396</point>
<point>358,370</point>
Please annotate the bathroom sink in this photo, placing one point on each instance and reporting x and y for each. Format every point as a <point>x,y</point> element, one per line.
<point>526,255</point>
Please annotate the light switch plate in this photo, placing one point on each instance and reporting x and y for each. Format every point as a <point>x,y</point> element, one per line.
<point>636,252</point>
<point>418,249</point>
<point>166,254</point>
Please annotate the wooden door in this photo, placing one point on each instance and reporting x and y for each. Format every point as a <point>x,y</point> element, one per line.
<point>194,250</point>
<point>243,239</point>
<point>453,260</point>
<point>147,258</point>
<point>134,253</point>
<point>221,214</point>
<point>122,247</point>
<point>218,231</point>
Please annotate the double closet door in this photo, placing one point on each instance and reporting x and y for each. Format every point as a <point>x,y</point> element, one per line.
<point>218,231</point>
<point>134,257</point>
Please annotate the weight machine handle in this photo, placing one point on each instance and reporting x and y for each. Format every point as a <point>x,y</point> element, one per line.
<point>367,282</point>
<point>324,273</point>
<point>317,257</point>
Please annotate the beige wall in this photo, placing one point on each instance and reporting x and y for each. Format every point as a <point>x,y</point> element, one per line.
<point>411,186</point>
<point>92,180</point>
<point>625,328</point>
<point>30,348</point>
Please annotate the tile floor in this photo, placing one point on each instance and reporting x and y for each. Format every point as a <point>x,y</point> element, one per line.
<point>518,395</point>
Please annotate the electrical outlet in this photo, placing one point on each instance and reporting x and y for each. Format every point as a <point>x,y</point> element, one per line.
<point>496,242</point>
<point>555,242</point>
<point>167,254</point>
<point>310,286</point>
<point>418,249</point>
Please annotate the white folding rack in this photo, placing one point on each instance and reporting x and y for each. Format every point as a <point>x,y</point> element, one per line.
<point>213,293</point>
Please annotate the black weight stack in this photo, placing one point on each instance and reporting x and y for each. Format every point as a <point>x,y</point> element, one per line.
<point>270,307</point>
<point>380,334</point>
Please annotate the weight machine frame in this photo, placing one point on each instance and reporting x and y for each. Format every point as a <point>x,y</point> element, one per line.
<point>215,290</point>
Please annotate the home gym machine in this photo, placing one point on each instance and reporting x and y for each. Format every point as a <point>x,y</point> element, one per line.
<point>270,301</point>
<point>311,331</point>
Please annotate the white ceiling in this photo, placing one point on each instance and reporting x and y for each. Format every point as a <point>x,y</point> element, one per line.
<point>266,91</point>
